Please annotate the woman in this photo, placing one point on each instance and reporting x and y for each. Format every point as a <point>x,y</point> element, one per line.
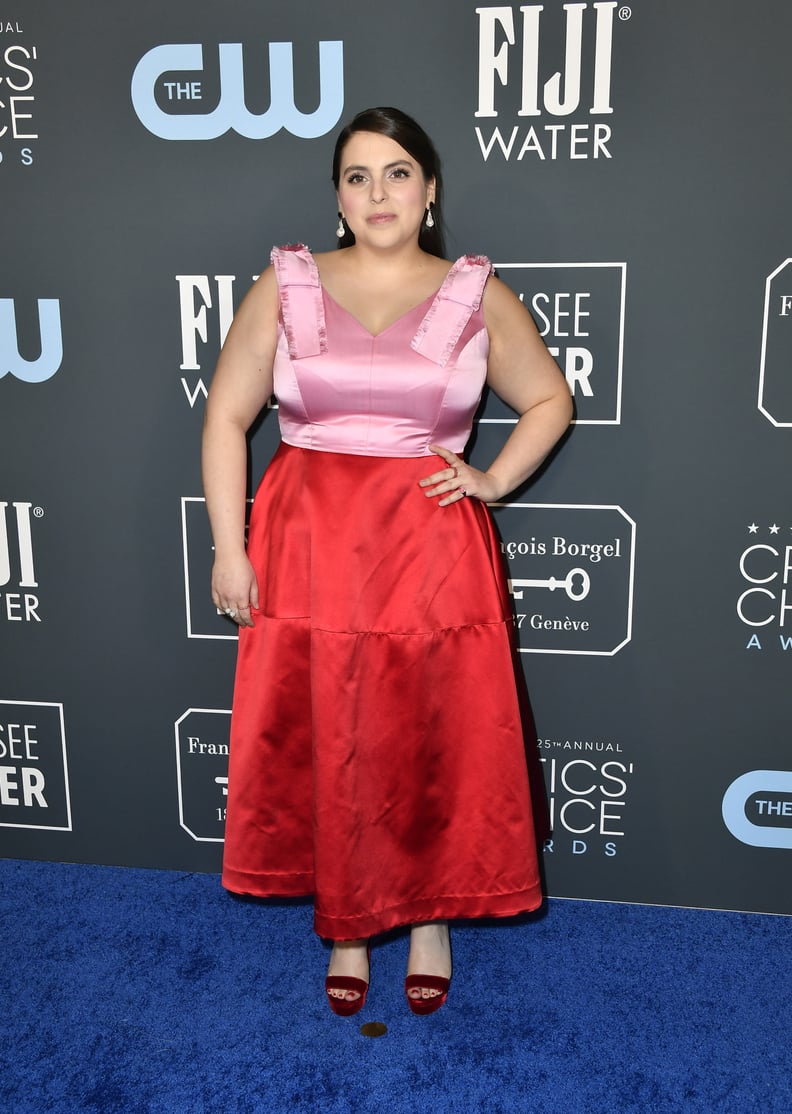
<point>377,752</point>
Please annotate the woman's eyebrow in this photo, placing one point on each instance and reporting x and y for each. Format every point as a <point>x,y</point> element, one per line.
<point>390,165</point>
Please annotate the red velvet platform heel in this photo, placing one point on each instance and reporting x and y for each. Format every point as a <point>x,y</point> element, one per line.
<point>342,1006</point>
<point>421,1005</point>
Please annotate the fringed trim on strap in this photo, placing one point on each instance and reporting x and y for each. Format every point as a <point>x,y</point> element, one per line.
<point>457,299</point>
<point>302,307</point>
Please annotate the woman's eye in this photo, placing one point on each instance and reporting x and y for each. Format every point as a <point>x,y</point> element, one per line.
<point>354,179</point>
<point>400,172</point>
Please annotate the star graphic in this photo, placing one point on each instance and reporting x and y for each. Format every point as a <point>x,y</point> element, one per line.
<point>774,529</point>
<point>752,529</point>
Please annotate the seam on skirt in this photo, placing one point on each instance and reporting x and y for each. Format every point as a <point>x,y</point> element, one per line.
<point>415,634</point>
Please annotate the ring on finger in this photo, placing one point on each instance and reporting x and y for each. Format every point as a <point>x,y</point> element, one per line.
<point>463,492</point>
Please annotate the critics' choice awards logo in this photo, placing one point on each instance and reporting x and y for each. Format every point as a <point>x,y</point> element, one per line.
<point>18,68</point>
<point>588,783</point>
<point>202,769</point>
<point>757,808</point>
<point>544,74</point>
<point>203,618</point>
<point>41,335</point>
<point>578,309</point>
<point>178,94</point>
<point>775,372</point>
<point>18,602</point>
<point>34,780</point>
<point>764,602</point>
<point>570,570</point>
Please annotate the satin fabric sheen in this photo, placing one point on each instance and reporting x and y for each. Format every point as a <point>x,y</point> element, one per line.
<point>377,747</point>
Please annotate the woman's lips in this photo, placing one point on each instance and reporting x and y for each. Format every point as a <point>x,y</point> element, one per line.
<point>380,218</point>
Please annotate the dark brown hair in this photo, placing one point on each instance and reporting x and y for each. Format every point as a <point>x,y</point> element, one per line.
<point>405,131</point>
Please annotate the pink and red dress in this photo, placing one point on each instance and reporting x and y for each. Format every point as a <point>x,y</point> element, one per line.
<point>377,755</point>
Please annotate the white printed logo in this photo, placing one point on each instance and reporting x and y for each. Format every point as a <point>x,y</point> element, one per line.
<point>34,779</point>
<point>764,604</point>
<point>17,568</point>
<point>512,81</point>
<point>196,296</point>
<point>579,311</point>
<point>166,75</point>
<point>586,795</point>
<point>775,380</point>
<point>17,93</point>
<point>571,577</point>
<point>202,768</point>
<point>51,342</point>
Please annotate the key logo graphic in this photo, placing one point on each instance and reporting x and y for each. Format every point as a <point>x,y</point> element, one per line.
<point>571,571</point>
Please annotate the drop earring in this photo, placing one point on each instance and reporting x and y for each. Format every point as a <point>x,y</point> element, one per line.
<point>340,231</point>
<point>429,218</point>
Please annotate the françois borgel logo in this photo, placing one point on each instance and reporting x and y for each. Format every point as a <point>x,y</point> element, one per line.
<point>40,353</point>
<point>571,569</point>
<point>764,601</point>
<point>202,769</point>
<point>541,112</point>
<point>178,94</point>
<point>775,380</point>
<point>34,780</point>
<point>757,808</point>
<point>18,71</point>
<point>579,312</point>
<point>18,603</point>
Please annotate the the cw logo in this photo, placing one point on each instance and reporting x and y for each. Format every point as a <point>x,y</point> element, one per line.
<point>231,112</point>
<point>48,362</point>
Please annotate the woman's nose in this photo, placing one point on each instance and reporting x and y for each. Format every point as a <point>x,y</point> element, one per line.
<point>378,192</point>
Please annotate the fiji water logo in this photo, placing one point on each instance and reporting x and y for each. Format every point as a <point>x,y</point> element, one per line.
<point>50,356</point>
<point>519,52</point>
<point>169,90</point>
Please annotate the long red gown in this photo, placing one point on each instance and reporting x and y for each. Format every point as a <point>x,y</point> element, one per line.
<point>377,754</point>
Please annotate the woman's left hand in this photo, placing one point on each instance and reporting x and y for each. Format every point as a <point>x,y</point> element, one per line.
<point>458,480</point>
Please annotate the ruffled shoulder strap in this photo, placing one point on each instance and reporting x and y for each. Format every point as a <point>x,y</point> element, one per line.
<point>456,301</point>
<point>302,308</point>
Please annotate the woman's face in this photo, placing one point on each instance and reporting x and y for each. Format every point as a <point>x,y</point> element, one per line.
<point>382,192</point>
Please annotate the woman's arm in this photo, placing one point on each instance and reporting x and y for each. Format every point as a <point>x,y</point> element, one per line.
<point>241,386</point>
<point>523,373</point>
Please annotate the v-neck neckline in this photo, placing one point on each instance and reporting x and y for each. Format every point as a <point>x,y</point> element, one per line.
<point>428,302</point>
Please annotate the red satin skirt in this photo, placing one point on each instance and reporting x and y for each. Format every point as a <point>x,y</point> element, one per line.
<point>377,755</point>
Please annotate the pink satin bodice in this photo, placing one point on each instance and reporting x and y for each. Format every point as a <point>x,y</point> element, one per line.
<point>418,382</point>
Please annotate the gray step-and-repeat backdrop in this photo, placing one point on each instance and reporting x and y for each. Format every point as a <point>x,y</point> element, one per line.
<point>627,168</point>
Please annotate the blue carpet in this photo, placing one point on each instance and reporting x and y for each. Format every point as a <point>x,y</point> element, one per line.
<point>152,992</point>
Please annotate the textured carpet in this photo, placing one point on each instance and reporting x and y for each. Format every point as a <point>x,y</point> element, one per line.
<point>153,991</point>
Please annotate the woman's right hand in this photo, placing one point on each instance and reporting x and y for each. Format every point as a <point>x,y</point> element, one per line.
<point>235,588</point>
